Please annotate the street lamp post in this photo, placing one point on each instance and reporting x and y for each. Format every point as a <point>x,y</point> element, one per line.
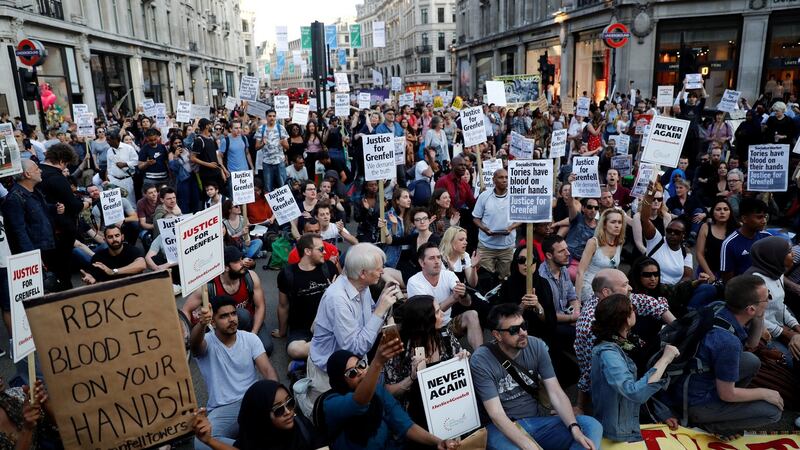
<point>453,65</point>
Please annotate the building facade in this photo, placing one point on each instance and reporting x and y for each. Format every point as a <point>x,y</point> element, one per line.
<point>419,36</point>
<point>115,53</point>
<point>736,44</point>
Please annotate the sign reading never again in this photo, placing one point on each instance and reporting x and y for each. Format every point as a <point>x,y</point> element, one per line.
<point>114,363</point>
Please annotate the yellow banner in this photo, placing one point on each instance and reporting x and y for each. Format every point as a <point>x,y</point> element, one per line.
<point>660,437</point>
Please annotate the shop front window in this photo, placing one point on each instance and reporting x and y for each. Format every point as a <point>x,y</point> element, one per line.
<point>112,83</point>
<point>53,74</point>
<point>592,65</point>
<point>156,81</point>
<point>782,66</point>
<point>553,57</point>
<point>483,71</point>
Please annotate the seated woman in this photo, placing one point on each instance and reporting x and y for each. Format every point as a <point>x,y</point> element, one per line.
<point>709,240</point>
<point>268,419</point>
<point>603,251</point>
<point>645,278</point>
<point>238,229</point>
<point>367,212</point>
<point>668,249</point>
<point>409,244</point>
<point>684,203</point>
<point>359,413</point>
<point>617,393</point>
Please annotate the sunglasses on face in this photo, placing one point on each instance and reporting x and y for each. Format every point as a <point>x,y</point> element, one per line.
<point>514,330</point>
<point>283,408</point>
<point>591,207</point>
<point>353,371</point>
<point>658,199</point>
<point>650,275</point>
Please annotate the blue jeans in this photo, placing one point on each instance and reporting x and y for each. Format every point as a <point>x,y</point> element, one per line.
<point>224,424</point>
<point>252,250</point>
<point>188,195</point>
<point>549,432</point>
<point>274,176</point>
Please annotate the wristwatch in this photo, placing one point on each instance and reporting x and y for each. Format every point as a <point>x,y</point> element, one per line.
<point>573,424</point>
<point>114,271</point>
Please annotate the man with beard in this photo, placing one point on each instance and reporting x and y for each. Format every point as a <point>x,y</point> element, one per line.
<point>230,360</point>
<point>554,270</point>
<point>244,287</point>
<point>460,191</point>
<point>497,235</point>
<point>115,262</point>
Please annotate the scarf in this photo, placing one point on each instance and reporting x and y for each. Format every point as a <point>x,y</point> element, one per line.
<point>255,421</point>
<point>767,256</point>
<point>357,429</point>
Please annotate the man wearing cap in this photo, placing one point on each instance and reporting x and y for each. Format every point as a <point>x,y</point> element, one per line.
<point>230,360</point>
<point>244,287</point>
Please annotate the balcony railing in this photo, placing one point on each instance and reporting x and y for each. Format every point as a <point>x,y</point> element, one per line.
<point>424,49</point>
<point>51,8</point>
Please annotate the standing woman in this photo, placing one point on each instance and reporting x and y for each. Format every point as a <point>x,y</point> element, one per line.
<point>314,146</point>
<point>436,139</point>
<point>719,131</point>
<point>710,238</point>
<point>603,251</point>
<point>310,200</point>
<point>450,130</point>
<point>443,215</point>
<point>780,127</point>
<point>455,257</point>
<point>297,145</point>
<point>595,134</point>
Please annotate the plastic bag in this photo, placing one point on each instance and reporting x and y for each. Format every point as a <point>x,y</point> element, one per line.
<point>280,253</point>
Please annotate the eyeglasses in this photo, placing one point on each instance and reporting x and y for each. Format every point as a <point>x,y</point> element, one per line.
<point>734,181</point>
<point>283,408</point>
<point>591,207</point>
<point>515,329</point>
<point>353,371</point>
<point>420,219</point>
<point>650,275</point>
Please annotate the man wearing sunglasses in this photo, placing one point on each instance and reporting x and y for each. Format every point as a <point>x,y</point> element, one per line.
<point>581,228</point>
<point>498,374</point>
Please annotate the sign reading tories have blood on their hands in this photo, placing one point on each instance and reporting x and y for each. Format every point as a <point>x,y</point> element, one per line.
<point>25,283</point>
<point>283,205</point>
<point>530,190</point>
<point>114,362</point>
<point>200,248</point>
<point>379,157</point>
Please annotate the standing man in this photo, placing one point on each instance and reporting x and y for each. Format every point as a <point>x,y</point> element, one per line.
<point>153,158</point>
<point>460,191</point>
<point>122,162</point>
<point>27,216</point>
<point>233,148</point>
<point>497,237</point>
<point>272,141</point>
<point>205,155</point>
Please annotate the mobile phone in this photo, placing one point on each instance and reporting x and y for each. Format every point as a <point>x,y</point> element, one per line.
<point>420,352</point>
<point>390,333</point>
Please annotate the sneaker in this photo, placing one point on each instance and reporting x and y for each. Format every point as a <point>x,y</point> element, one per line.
<point>176,290</point>
<point>261,254</point>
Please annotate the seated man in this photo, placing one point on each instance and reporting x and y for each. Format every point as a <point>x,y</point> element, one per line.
<point>168,207</point>
<point>118,260</point>
<point>230,360</point>
<point>331,232</point>
<point>213,195</point>
<point>507,377</point>
<point>145,208</point>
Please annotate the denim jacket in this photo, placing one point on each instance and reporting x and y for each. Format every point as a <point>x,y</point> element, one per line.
<point>28,220</point>
<point>617,394</point>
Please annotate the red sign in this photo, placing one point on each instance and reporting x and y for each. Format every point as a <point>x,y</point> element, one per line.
<point>31,52</point>
<point>615,35</point>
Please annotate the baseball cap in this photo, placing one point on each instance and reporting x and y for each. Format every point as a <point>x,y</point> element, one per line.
<point>232,254</point>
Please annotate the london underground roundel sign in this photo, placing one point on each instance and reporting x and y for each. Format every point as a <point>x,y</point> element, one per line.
<point>615,35</point>
<point>31,52</point>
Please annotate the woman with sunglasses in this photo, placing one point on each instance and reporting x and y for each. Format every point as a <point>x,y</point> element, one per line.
<point>617,392</point>
<point>667,249</point>
<point>268,419</point>
<point>603,251</point>
<point>359,413</point>
<point>659,217</point>
<point>711,236</point>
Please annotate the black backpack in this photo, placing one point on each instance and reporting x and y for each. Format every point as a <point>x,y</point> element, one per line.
<point>687,333</point>
<point>318,417</point>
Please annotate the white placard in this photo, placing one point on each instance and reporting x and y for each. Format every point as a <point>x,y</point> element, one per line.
<point>183,113</point>
<point>397,84</point>
<point>78,109</point>
<point>231,103</point>
<point>622,143</point>
<point>10,159</point>
<point>488,168</point>
<point>738,114</point>
<point>281,38</point>
<point>342,84</point>
<point>558,143</point>
<point>729,100</point>
<point>645,135</point>
<point>312,104</point>
<point>665,97</point>
<point>633,97</point>
<point>377,78</point>
<point>694,81</point>
<point>487,126</point>
<point>200,248</point>
<point>6,129</point>
<point>85,124</point>
<point>448,397</point>
<point>472,126</point>
<point>364,100</point>
<point>111,203</point>
<point>243,187</point>
<point>583,107</point>
<point>161,116</point>
<point>646,174</point>
<point>167,228</point>
<point>399,150</point>
<point>768,168</point>
<point>342,104</point>
<point>378,34</point>
<point>282,107</point>
<point>200,112</point>
<point>530,188</point>
<point>283,205</point>
<point>796,148</point>
<point>149,107</point>
<point>496,90</point>
<point>257,109</point>
<point>24,283</point>
<point>407,99</point>
<point>379,157</point>
<point>587,180</point>
<point>248,88</point>
<point>519,147</point>
<point>297,57</point>
<point>300,114</point>
<point>665,141</point>
<point>458,149</point>
<point>623,164</point>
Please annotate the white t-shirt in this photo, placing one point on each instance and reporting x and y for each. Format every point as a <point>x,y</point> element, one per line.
<point>671,261</point>
<point>332,232</point>
<point>229,372</point>
<point>420,167</point>
<point>418,285</point>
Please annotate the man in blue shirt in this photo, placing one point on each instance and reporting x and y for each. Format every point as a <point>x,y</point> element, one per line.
<point>735,251</point>
<point>719,400</point>
<point>234,148</point>
<point>153,158</point>
<point>389,125</point>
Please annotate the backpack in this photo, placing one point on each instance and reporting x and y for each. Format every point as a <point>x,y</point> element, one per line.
<point>318,417</point>
<point>228,148</point>
<point>659,245</point>
<point>420,192</point>
<point>687,333</point>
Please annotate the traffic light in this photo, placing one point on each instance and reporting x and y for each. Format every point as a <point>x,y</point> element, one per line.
<point>29,83</point>
<point>549,77</point>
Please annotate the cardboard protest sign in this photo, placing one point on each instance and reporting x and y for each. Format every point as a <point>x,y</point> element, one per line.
<point>694,81</point>
<point>641,121</point>
<point>647,173</point>
<point>6,129</point>
<point>183,113</point>
<point>488,168</point>
<point>622,143</point>
<point>623,164</point>
<point>558,143</point>
<point>167,228</point>
<point>665,142</point>
<point>458,149</point>
<point>379,157</point>
<point>243,187</point>
<point>281,106</point>
<point>312,104</point>
<point>583,107</point>
<point>342,104</point>
<point>568,106</point>
<point>448,397</point>
<point>114,362</point>
<point>248,88</point>
<point>646,135</point>
<point>111,203</point>
<point>768,168</point>
<point>472,126</point>
<point>200,112</point>
<point>200,248</point>
<point>300,114</point>
<point>496,90</point>
<point>587,179</point>
<point>530,187</point>
<point>397,84</point>
<point>342,84</point>
<point>406,99</point>
<point>10,158</point>
<point>283,205</point>
<point>231,103</point>
<point>520,147</point>
<point>729,100</point>
<point>399,150</point>
<point>737,114</point>
<point>665,96</point>
<point>85,124</point>
<point>364,100</point>
<point>78,109</point>
<point>377,78</point>
<point>149,107</point>
<point>257,109</point>
<point>24,284</point>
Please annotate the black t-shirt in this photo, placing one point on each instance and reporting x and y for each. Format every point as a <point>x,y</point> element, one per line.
<point>305,293</point>
<point>159,154</point>
<point>206,150</point>
<point>126,256</point>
